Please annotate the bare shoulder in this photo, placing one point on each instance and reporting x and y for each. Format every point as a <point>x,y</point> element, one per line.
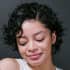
<point>9,64</point>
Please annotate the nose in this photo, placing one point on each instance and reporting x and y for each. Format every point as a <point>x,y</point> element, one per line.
<point>32,47</point>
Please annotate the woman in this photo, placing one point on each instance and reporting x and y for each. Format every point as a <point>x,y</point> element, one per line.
<point>36,33</point>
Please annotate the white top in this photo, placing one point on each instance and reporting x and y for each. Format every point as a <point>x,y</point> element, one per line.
<point>24,66</point>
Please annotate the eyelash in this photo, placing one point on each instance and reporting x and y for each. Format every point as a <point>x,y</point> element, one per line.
<point>23,44</point>
<point>40,40</point>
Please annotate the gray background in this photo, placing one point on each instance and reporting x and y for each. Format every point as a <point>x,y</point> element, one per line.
<point>61,7</point>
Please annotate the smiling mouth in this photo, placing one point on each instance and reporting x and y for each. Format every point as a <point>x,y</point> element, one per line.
<point>35,56</point>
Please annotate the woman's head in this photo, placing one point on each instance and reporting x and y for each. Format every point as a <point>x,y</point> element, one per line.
<point>34,42</point>
<point>35,12</point>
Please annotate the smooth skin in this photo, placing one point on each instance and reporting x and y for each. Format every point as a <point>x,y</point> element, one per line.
<point>9,64</point>
<point>34,46</point>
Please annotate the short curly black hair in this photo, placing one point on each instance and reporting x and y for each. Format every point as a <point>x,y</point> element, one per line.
<point>32,11</point>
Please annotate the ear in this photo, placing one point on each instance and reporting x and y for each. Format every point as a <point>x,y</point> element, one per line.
<point>53,37</point>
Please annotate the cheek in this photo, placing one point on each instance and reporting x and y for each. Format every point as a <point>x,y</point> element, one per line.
<point>21,50</point>
<point>46,45</point>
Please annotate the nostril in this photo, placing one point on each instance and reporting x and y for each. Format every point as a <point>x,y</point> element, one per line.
<point>32,49</point>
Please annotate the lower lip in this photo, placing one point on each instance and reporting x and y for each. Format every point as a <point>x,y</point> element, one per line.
<point>35,57</point>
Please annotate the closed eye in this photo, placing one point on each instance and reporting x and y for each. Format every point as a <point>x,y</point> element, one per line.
<point>22,44</point>
<point>40,40</point>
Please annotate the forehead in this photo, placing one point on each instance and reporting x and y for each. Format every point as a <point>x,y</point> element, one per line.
<point>32,27</point>
<point>29,24</point>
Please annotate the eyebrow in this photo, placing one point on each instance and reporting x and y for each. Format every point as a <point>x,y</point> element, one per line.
<point>21,36</point>
<point>39,32</point>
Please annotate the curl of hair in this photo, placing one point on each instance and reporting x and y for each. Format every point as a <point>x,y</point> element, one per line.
<point>32,11</point>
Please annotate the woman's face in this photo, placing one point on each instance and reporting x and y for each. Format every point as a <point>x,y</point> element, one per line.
<point>35,43</point>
